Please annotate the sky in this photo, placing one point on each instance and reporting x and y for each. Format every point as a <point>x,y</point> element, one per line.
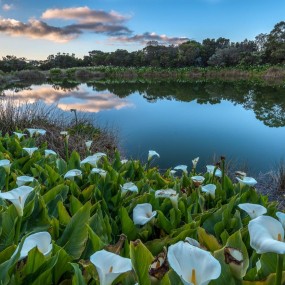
<point>36,29</point>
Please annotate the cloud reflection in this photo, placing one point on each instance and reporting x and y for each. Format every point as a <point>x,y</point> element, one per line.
<point>81,98</point>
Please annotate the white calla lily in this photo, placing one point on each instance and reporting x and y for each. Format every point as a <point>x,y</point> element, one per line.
<point>41,240</point>
<point>36,131</point>
<point>99,171</point>
<point>123,161</point>
<point>209,189</point>
<point>181,167</point>
<point>151,154</point>
<point>93,159</point>
<point>30,150</point>
<point>109,265</point>
<point>19,135</point>
<point>281,218</point>
<point>211,168</point>
<point>266,235</point>
<point>168,193</point>
<point>195,161</point>
<point>253,210</point>
<point>22,180</point>
<point>65,135</point>
<point>172,172</point>
<point>143,213</point>
<point>18,197</point>
<point>247,181</point>
<point>6,164</point>
<point>198,180</point>
<point>49,152</point>
<point>88,144</point>
<point>193,265</point>
<point>192,241</point>
<point>72,173</point>
<point>129,186</point>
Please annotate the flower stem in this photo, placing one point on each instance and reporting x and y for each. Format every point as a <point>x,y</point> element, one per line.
<point>18,227</point>
<point>279,269</point>
<point>66,151</point>
<point>7,182</point>
<point>223,174</point>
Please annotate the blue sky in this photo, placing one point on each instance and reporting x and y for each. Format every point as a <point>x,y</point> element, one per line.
<point>35,29</point>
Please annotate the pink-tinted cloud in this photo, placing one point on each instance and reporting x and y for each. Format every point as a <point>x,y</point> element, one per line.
<point>147,37</point>
<point>37,30</point>
<point>85,14</point>
<point>7,7</point>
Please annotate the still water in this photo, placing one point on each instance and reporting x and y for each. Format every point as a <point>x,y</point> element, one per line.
<point>244,122</point>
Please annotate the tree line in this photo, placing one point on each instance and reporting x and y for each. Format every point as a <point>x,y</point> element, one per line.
<point>221,52</point>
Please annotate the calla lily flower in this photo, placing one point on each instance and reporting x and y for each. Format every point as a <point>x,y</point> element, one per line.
<point>281,218</point>
<point>49,152</point>
<point>234,258</point>
<point>192,242</point>
<point>181,167</point>
<point>152,153</point>
<point>99,171</point>
<point>209,189</point>
<point>195,161</point>
<point>72,173</point>
<point>123,161</point>
<point>93,159</point>
<point>168,193</point>
<point>240,174</point>
<point>110,265</point>
<point>129,186</point>
<point>172,172</point>
<point>36,131</point>
<point>211,168</point>
<point>6,164</point>
<point>19,135</point>
<point>247,181</point>
<point>30,150</point>
<point>198,180</point>
<point>88,144</point>
<point>143,213</point>
<point>22,180</point>
<point>18,197</point>
<point>193,265</point>
<point>65,135</point>
<point>253,210</point>
<point>41,240</point>
<point>266,235</point>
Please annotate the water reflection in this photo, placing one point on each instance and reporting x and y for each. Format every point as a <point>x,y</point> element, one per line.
<point>79,97</point>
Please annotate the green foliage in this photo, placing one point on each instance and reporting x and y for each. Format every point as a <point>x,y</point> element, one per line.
<point>89,213</point>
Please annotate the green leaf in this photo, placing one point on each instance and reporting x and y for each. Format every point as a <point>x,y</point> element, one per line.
<point>208,240</point>
<point>74,237</point>
<point>128,226</point>
<point>77,278</point>
<point>141,259</point>
<point>74,161</point>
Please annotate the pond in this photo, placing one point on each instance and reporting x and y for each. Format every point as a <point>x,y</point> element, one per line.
<point>243,122</point>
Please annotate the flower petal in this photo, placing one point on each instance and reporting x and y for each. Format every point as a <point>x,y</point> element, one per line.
<point>266,235</point>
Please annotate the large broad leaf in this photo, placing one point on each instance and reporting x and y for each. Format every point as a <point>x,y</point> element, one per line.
<point>42,275</point>
<point>100,224</point>
<point>7,267</point>
<point>74,161</point>
<point>74,237</point>
<point>77,278</point>
<point>208,240</point>
<point>141,259</point>
<point>63,263</point>
<point>52,193</point>
<point>128,226</point>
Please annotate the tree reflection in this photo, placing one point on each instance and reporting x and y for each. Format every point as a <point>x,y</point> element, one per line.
<point>268,103</point>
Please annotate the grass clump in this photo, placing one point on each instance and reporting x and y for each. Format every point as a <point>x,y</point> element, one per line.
<point>17,115</point>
